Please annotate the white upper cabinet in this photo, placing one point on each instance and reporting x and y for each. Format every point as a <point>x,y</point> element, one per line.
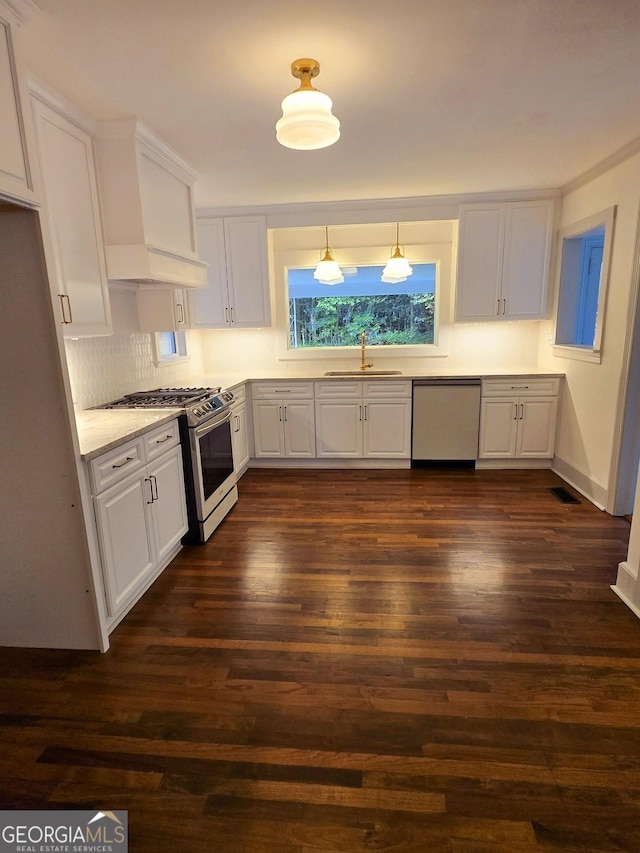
<point>147,198</point>
<point>71,225</point>
<point>237,292</point>
<point>15,174</point>
<point>503,261</point>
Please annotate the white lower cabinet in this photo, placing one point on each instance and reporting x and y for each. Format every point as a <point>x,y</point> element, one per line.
<point>363,419</point>
<point>140,516</point>
<point>516,421</point>
<point>283,420</point>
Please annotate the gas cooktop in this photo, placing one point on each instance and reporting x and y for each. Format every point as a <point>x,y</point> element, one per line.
<point>197,403</point>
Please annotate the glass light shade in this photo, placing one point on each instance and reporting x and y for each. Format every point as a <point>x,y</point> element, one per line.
<point>388,280</point>
<point>328,272</point>
<point>397,268</point>
<point>307,121</point>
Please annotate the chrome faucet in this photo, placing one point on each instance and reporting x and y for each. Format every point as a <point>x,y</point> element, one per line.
<point>364,364</point>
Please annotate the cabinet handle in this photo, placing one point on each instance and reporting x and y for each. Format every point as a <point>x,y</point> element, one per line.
<point>521,411</point>
<point>519,387</point>
<point>154,484</point>
<point>280,413</point>
<point>285,413</point>
<point>62,297</point>
<point>148,480</point>
<point>504,306</point>
<point>284,391</point>
<point>365,413</point>
<point>498,309</point>
<point>515,414</point>
<point>180,310</point>
<point>122,464</point>
<point>162,440</point>
<point>226,315</point>
<point>231,312</point>
<point>360,413</point>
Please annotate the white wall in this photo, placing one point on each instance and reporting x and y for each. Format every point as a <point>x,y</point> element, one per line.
<point>588,407</point>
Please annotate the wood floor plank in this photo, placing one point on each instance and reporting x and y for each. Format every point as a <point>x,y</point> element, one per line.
<point>420,660</point>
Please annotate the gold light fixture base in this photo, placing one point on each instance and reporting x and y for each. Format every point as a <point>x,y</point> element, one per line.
<point>305,70</point>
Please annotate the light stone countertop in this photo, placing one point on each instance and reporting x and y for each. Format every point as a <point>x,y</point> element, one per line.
<point>100,430</point>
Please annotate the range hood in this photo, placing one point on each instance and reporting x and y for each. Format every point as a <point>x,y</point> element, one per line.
<point>146,191</point>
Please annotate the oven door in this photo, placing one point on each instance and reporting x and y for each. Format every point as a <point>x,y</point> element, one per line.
<point>212,461</point>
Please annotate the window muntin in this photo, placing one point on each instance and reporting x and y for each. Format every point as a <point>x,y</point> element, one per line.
<point>402,314</point>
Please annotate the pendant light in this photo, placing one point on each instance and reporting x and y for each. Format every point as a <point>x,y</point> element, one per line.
<point>307,121</point>
<point>327,270</point>
<point>398,267</point>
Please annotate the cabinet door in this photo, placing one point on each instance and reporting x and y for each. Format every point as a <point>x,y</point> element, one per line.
<point>480,253</point>
<point>15,177</point>
<point>498,428</point>
<point>247,271</point>
<point>527,248</point>
<point>168,510</point>
<point>75,253</point>
<point>339,428</point>
<point>536,427</point>
<point>240,438</point>
<point>161,309</point>
<point>299,428</point>
<point>126,539</point>
<point>209,306</point>
<point>268,429</point>
<point>387,428</point>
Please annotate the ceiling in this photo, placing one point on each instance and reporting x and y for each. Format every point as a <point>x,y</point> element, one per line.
<point>434,96</point>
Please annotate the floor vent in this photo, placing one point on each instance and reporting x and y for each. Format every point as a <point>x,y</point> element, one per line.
<point>563,495</point>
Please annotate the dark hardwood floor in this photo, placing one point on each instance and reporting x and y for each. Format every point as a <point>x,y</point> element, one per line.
<point>416,661</point>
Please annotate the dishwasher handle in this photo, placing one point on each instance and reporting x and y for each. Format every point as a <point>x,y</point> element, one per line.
<point>425,383</point>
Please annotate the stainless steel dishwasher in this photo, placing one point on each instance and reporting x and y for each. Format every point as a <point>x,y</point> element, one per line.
<point>446,419</point>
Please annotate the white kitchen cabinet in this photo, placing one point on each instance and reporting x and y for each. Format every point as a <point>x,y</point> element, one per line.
<point>283,420</point>
<point>370,419</point>
<point>162,309</point>
<point>139,501</point>
<point>516,420</point>
<point>15,173</point>
<point>239,431</point>
<point>237,291</point>
<point>146,190</point>
<point>504,252</point>
<point>72,226</point>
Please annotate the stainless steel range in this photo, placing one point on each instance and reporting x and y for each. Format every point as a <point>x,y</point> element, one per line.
<point>205,434</point>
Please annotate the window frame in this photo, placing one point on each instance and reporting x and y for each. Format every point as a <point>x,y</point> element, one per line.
<point>585,352</point>
<point>438,254</point>
<point>181,353</point>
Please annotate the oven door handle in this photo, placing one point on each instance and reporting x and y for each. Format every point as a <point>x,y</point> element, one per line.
<point>212,423</point>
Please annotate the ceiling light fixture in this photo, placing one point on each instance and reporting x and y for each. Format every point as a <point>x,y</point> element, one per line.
<point>327,270</point>
<point>307,121</point>
<point>398,267</point>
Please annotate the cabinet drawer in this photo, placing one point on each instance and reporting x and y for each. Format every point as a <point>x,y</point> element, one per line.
<point>337,389</point>
<point>521,387</point>
<point>386,388</point>
<point>271,390</point>
<point>162,438</point>
<point>115,465</point>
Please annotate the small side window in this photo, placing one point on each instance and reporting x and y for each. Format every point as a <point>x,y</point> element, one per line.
<point>170,347</point>
<point>585,251</point>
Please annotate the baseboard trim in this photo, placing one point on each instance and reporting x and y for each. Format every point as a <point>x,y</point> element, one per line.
<point>632,607</point>
<point>513,464</point>
<point>338,462</point>
<point>581,482</point>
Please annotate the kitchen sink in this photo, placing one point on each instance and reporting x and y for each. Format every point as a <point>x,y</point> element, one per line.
<point>363,373</point>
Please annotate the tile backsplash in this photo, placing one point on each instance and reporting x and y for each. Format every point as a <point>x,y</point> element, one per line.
<point>104,368</point>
